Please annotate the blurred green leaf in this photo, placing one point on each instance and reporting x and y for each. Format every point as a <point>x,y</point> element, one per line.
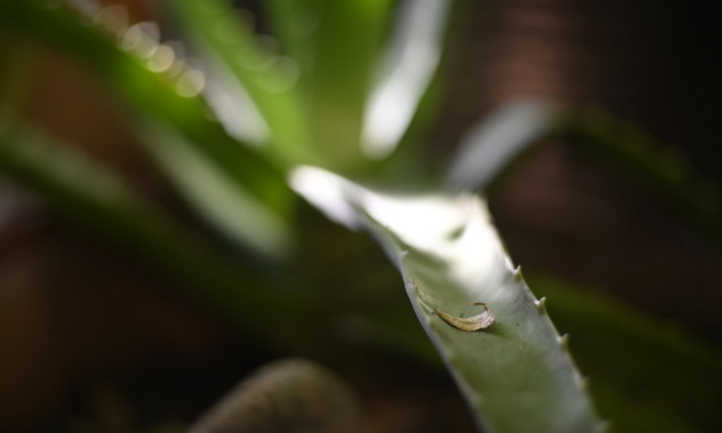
<point>407,70</point>
<point>337,45</point>
<point>226,40</point>
<point>296,23</point>
<point>227,205</point>
<point>487,150</point>
<point>516,375</point>
<point>168,110</point>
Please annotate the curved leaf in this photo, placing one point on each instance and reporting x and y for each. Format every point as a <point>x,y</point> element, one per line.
<point>490,146</point>
<point>228,206</point>
<point>406,71</point>
<point>516,374</point>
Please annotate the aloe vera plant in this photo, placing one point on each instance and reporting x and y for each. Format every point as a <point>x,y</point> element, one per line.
<point>334,99</point>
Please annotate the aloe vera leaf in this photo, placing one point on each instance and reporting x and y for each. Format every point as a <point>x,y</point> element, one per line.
<point>155,96</point>
<point>234,108</point>
<point>493,147</point>
<point>227,205</point>
<point>409,64</point>
<point>338,45</point>
<point>224,37</point>
<point>348,45</point>
<point>296,23</point>
<point>516,375</point>
<point>666,380</point>
<point>490,146</point>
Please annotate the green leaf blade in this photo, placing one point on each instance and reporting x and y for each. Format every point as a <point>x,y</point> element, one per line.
<point>223,37</point>
<point>517,374</point>
<point>337,45</point>
<point>228,206</point>
<point>407,70</point>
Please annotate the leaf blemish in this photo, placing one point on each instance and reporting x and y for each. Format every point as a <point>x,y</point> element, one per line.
<point>456,232</point>
<point>469,324</point>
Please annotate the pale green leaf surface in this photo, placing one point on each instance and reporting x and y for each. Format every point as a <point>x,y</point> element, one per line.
<point>222,202</point>
<point>488,147</point>
<point>409,64</point>
<point>517,374</point>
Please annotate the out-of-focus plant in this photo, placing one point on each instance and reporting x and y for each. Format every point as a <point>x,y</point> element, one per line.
<point>240,126</point>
